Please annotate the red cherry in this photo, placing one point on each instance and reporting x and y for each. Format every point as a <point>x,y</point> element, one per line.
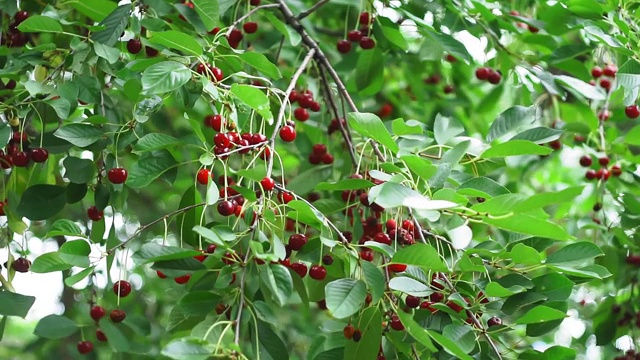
<point>318,272</point>
<point>483,73</point>
<point>226,208</point>
<point>533,29</point>
<point>632,111</point>
<point>305,101</point>
<point>250,27</point>
<point>494,321</point>
<point>134,46</point>
<point>117,315</point>
<point>122,288</point>
<point>287,133</point>
<point>201,69</point>
<point>591,174</point>
<point>366,255</point>
<point>396,324</point>
<point>585,161</point>
<point>494,77</point>
<point>160,274</point>
<point>10,85</point>
<point>605,83</point>
<point>604,115</point>
<point>222,140</point>
<point>343,46</point>
<point>436,297</point>
<point>454,306</point>
<point>596,71</point>
<point>450,58</point>
<point>603,161</point>
<point>319,149</point>
<point>610,70</point>
<point>214,31</point>
<point>285,197</point>
<point>616,170</point>
<point>315,159</point>
<point>293,96</point>
<point>117,175</point>
<point>367,43</point>
<point>267,183</point>
<point>97,312</point>
<point>211,248</point>
<point>254,2</point>
<point>216,122</point>
<point>327,159</point>
<point>300,268</point>
<point>391,224</point>
<point>100,335</point>
<point>151,52</point>
<point>203,176</point>
<point>182,279</point>
<point>200,258</point>
<point>448,89</point>
<point>217,73</point>
<point>94,214</point>
<point>397,267</point>
<point>354,35</point>
<point>365,18</point>
<point>555,144</point>
<point>297,241</point>
<point>85,347</point>
<point>21,159</point>
<point>39,155</point>
<point>301,114</point>
<point>382,238</point>
<point>20,16</point>
<point>258,139</point>
<point>412,301</point>
<point>21,265</point>
<point>235,36</point>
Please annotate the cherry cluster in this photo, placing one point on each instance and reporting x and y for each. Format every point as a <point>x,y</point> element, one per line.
<point>15,38</point>
<point>602,173</point>
<point>360,36</point>
<point>305,101</point>
<point>18,153</point>
<point>134,46</point>
<point>489,74</point>
<point>606,75</point>
<point>319,154</point>
<point>210,71</point>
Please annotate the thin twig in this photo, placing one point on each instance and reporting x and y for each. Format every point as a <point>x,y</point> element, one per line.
<point>251,12</point>
<point>144,227</point>
<point>343,126</point>
<point>312,9</point>
<point>236,339</point>
<point>283,108</point>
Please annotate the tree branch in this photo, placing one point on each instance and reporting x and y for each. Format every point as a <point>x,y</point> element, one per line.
<point>312,9</point>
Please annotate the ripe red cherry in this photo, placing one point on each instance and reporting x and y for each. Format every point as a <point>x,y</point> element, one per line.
<point>221,140</point>
<point>494,77</point>
<point>285,197</point>
<point>327,159</point>
<point>610,70</point>
<point>494,321</point>
<point>396,324</point>
<point>397,267</point>
<point>94,214</point>
<point>616,170</point>
<point>39,155</point>
<point>365,18</point>
<point>254,2</point>
<point>412,301</point>
<point>85,347</point>
<point>305,100</point>
<point>21,265</point>
<point>21,159</point>
<point>100,335</point>
<point>343,46</point>
<point>117,315</point>
<point>366,255</point>
<point>605,83</point>
<point>160,274</point>
<point>299,268</point>
<point>216,122</point>
<point>134,46</point>
<point>450,58</point>
<point>211,248</point>
<point>203,176</point>
<point>354,35</point>
<point>585,161</point>
<point>297,241</point>
<point>122,288</point>
<point>226,208</point>
<point>632,111</point>
<point>151,52</point>
<point>367,43</point>
<point>596,71</point>
<point>301,114</point>
<point>483,73</point>
<point>319,149</point>
<point>382,238</point>
<point>287,133</point>
<point>117,175</point>
<point>97,312</point>
<point>217,73</point>
<point>250,27</point>
<point>591,174</point>
<point>20,16</point>
<point>454,306</point>
<point>448,89</point>
<point>267,184</point>
<point>318,272</point>
<point>604,115</point>
<point>603,161</point>
<point>182,279</point>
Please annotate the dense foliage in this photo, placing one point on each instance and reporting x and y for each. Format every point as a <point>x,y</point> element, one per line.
<point>235,179</point>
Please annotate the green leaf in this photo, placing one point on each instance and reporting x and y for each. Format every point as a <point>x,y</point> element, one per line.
<point>253,98</point>
<point>306,181</point>
<point>75,253</point>
<point>444,129</point>
<point>188,349</point>
<point>370,324</point>
<point>420,255</point>
<point>527,224</point>
<point>515,148</point>
<point>116,339</point>
<point>108,53</point>
<point>165,77</point>
<point>41,202</point>
<point>38,24</point>
<point>345,297</point>
<point>64,227</point>
<point>539,135</point>
<point>541,314</point>
<point>79,170</point>
<point>96,10</point>
<point>55,327</point>
<point>49,262</point>
<point>580,88</point>
<point>178,41</point>
<point>390,195</point>
<point>155,141</point>
<point>151,252</point>
<point>511,121</point>
<point>576,252</point>
<point>213,194</point>
<point>548,198</point>
<point>391,32</point>
<point>482,186</point>
<point>417,331</point>
<point>633,136</point>
<point>289,33</point>
<point>75,278</point>
<point>409,286</point>
<point>12,304</point>
<point>149,168</point>
<point>114,24</point>
<point>525,255</point>
<point>449,345</point>
<point>462,335</point>
<point>80,135</point>
<point>271,341</point>
<point>278,280</point>
<point>370,126</point>
<point>209,235</point>
<point>447,43</point>
<point>346,184</point>
<point>262,64</point>
<point>494,289</point>
<point>374,279</point>
<point>369,74</point>
<point>208,11</point>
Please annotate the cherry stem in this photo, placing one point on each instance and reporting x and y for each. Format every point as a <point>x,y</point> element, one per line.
<point>6,284</point>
